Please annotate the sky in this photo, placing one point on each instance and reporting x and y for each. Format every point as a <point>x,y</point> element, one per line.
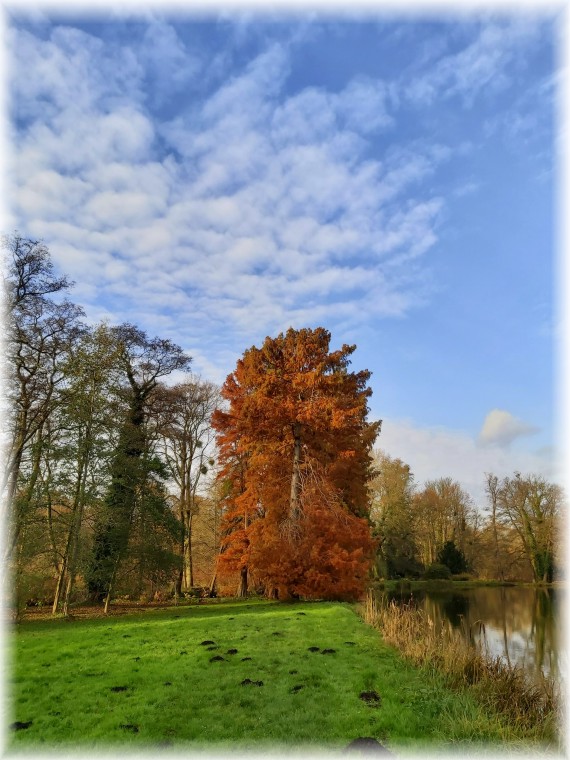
<point>218,178</point>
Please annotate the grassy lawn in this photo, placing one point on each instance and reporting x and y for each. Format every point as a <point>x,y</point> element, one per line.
<point>150,680</point>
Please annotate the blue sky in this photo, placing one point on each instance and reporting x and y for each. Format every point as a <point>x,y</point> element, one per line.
<point>217,179</point>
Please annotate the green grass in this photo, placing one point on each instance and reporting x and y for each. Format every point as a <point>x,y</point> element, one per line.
<point>63,674</point>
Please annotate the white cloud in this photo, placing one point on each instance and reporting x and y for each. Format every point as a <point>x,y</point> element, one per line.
<point>482,66</point>
<point>249,210</point>
<point>502,428</point>
<point>439,452</point>
<point>109,209</point>
<point>364,105</point>
<point>170,67</point>
<point>264,211</point>
<point>71,70</point>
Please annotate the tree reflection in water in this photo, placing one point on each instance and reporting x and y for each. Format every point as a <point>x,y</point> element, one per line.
<point>518,624</point>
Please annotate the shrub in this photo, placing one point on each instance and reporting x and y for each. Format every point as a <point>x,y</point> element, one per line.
<point>437,572</point>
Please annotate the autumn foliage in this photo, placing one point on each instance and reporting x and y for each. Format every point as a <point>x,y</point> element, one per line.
<point>295,451</point>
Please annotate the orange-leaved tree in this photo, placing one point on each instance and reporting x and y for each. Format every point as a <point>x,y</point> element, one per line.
<point>295,448</point>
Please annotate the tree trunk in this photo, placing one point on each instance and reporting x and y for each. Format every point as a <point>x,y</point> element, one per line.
<point>187,551</point>
<point>111,584</point>
<point>242,587</point>
<point>492,490</point>
<point>73,548</point>
<point>178,583</point>
<point>17,511</point>
<point>61,578</point>
<point>294,500</point>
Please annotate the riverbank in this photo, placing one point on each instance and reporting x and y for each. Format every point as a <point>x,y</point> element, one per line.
<point>405,584</point>
<point>240,675</point>
<point>459,654</point>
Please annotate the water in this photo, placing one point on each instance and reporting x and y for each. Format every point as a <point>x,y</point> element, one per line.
<point>521,625</point>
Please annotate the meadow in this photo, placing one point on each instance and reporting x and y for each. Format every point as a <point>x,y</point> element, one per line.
<point>245,675</point>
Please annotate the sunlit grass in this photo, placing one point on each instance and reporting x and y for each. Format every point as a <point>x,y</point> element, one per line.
<point>149,681</point>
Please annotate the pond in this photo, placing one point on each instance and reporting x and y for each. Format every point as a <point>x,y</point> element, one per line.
<point>520,624</point>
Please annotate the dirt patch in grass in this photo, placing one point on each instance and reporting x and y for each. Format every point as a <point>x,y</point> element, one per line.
<point>249,682</point>
<point>20,725</point>
<point>119,688</point>
<point>371,698</point>
<point>130,727</point>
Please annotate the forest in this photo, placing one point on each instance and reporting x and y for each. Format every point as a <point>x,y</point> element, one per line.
<point>127,476</point>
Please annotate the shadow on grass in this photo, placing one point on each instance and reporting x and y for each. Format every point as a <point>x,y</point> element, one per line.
<point>177,613</point>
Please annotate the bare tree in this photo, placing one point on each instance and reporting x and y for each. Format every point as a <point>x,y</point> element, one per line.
<point>492,490</point>
<point>532,505</point>
<point>188,446</point>
<point>444,513</point>
<point>41,335</point>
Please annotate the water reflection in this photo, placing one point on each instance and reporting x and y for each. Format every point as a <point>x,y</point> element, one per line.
<point>518,624</point>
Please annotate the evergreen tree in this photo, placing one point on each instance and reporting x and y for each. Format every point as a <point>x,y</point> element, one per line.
<point>452,557</point>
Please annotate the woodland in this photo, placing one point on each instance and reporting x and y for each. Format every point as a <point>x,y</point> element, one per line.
<point>121,484</point>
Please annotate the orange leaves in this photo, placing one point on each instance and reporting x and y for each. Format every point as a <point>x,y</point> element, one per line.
<point>295,448</point>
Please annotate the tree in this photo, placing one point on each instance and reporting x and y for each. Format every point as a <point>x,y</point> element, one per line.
<point>295,448</point>
<point>87,419</point>
<point>143,361</point>
<point>184,414</point>
<point>452,557</point>
<point>41,335</point>
<point>392,514</point>
<point>444,513</point>
<point>492,490</point>
<point>531,505</point>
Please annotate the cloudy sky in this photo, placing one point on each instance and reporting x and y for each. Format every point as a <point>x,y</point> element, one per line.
<point>218,178</point>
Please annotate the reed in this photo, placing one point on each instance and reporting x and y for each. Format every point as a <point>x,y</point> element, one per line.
<point>461,656</point>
